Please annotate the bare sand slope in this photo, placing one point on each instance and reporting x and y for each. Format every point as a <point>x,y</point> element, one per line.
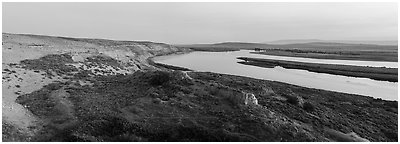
<point>15,82</point>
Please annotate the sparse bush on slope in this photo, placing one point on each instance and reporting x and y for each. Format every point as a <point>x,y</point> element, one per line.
<point>121,108</point>
<point>307,106</point>
<point>53,62</point>
<point>159,78</point>
<point>293,100</point>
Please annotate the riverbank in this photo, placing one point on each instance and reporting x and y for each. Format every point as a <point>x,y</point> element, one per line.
<point>151,60</point>
<point>377,55</point>
<point>383,74</point>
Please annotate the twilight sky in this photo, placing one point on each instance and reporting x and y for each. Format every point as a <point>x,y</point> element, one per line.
<point>186,23</point>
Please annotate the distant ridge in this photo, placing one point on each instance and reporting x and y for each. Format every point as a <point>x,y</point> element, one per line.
<point>298,45</point>
<point>299,41</point>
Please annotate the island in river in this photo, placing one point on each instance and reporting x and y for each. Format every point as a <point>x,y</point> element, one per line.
<point>376,73</point>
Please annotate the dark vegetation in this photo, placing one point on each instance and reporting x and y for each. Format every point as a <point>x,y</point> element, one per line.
<point>292,100</point>
<point>366,116</point>
<point>58,65</point>
<point>10,133</point>
<point>160,78</point>
<point>164,106</point>
<point>123,109</point>
<point>384,74</point>
<point>50,63</point>
<point>308,106</point>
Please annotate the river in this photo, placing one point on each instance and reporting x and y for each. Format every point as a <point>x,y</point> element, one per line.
<point>226,63</point>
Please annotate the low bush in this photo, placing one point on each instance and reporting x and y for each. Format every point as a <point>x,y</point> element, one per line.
<point>307,106</point>
<point>159,78</point>
<point>292,100</point>
<point>53,86</point>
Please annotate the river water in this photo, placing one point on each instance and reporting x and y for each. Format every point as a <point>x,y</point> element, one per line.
<point>226,63</point>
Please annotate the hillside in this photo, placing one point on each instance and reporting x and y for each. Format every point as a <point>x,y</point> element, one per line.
<point>30,62</point>
<point>93,90</point>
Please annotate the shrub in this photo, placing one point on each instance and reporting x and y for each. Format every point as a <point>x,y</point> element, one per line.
<point>391,134</point>
<point>53,86</point>
<point>292,100</point>
<point>213,91</point>
<point>12,134</point>
<point>391,104</point>
<point>307,106</point>
<point>159,78</point>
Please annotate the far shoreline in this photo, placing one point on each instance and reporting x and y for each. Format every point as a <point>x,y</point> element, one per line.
<point>357,56</point>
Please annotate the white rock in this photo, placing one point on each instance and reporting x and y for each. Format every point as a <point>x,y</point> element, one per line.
<point>250,99</point>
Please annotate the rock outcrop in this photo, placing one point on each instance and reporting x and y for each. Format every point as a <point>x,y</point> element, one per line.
<point>250,99</point>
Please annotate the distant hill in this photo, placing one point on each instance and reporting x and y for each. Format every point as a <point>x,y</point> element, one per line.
<point>326,46</point>
<point>225,46</point>
<point>228,45</point>
<point>293,41</point>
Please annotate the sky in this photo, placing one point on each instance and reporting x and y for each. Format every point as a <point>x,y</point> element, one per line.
<point>195,23</point>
